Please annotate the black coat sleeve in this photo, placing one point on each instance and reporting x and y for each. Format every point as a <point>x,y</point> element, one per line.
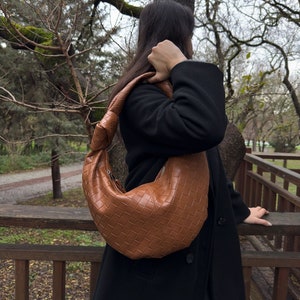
<point>240,209</point>
<point>193,121</point>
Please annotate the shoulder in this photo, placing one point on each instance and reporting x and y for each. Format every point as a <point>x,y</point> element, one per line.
<point>198,66</point>
<point>145,92</point>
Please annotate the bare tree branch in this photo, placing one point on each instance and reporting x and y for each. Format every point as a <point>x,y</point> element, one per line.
<point>2,138</point>
<point>123,7</point>
<point>11,98</point>
<point>286,11</point>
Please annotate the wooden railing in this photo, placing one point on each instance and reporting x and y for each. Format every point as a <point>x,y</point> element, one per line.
<point>56,218</point>
<point>262,183</point>
<point>287,224</point>
<point>277,188</point>
<point>259,181</point>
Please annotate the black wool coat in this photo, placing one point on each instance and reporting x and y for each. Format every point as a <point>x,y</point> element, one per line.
<point>154,128</point>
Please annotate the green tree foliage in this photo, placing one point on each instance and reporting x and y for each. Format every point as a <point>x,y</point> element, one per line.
<point>39,72</point>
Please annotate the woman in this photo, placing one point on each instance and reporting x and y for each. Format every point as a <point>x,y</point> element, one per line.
<point>155,128</point>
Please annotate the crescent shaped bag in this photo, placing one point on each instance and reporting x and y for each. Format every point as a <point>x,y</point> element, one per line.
<point>154,219</point>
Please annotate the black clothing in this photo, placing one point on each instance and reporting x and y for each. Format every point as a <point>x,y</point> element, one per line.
<point>154,128</point>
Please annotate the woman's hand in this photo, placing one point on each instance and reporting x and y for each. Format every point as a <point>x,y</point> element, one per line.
<point>164,57</point>
<point>255,217</point>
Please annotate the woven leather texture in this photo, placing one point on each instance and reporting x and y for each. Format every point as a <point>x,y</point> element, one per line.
<point>154,219</point>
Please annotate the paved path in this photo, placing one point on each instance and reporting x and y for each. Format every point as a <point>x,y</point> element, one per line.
<point>25,185</point>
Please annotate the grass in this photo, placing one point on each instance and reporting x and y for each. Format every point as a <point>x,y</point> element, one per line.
<point>71,198</point>
<point>291,164</point>
<point>15,162</point>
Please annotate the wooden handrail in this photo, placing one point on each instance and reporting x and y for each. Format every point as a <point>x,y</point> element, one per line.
<point>71,218</point>
<point>51,252</point>
<point>46,217</point>
<point>289,175</point>
<point>278,155</point>
<point>292,198</point>
<point>262,183</point>
<point>271,259</point>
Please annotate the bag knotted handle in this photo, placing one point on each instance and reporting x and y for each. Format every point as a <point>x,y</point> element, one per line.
<point>107,126</point>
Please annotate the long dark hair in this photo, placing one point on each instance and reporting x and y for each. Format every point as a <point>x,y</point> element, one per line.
<point>159,20</point>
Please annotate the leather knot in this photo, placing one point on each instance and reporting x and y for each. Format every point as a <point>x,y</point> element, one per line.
<point>104,131</point>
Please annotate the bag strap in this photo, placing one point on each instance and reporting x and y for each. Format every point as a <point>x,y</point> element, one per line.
<point>107,126</point>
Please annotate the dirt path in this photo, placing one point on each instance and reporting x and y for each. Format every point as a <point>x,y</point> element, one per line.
<point>25,185</point>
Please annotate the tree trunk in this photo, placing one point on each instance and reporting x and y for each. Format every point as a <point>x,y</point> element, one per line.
<point>55,173</point>
<point>189,3</point>
<point>232,150</point>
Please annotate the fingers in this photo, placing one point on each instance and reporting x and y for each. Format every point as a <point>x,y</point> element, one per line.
<point>256,220</point>
<point>259,211</point>
<point>163,57</point>
<point>262,222</point>
<point>256,214</point>
<point>156,78</point>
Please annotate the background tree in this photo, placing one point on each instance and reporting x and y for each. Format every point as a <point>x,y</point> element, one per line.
<point>250,42</point>
<point>59,89</point>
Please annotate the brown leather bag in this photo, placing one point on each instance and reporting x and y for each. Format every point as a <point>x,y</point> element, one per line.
<point>153,219</point>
